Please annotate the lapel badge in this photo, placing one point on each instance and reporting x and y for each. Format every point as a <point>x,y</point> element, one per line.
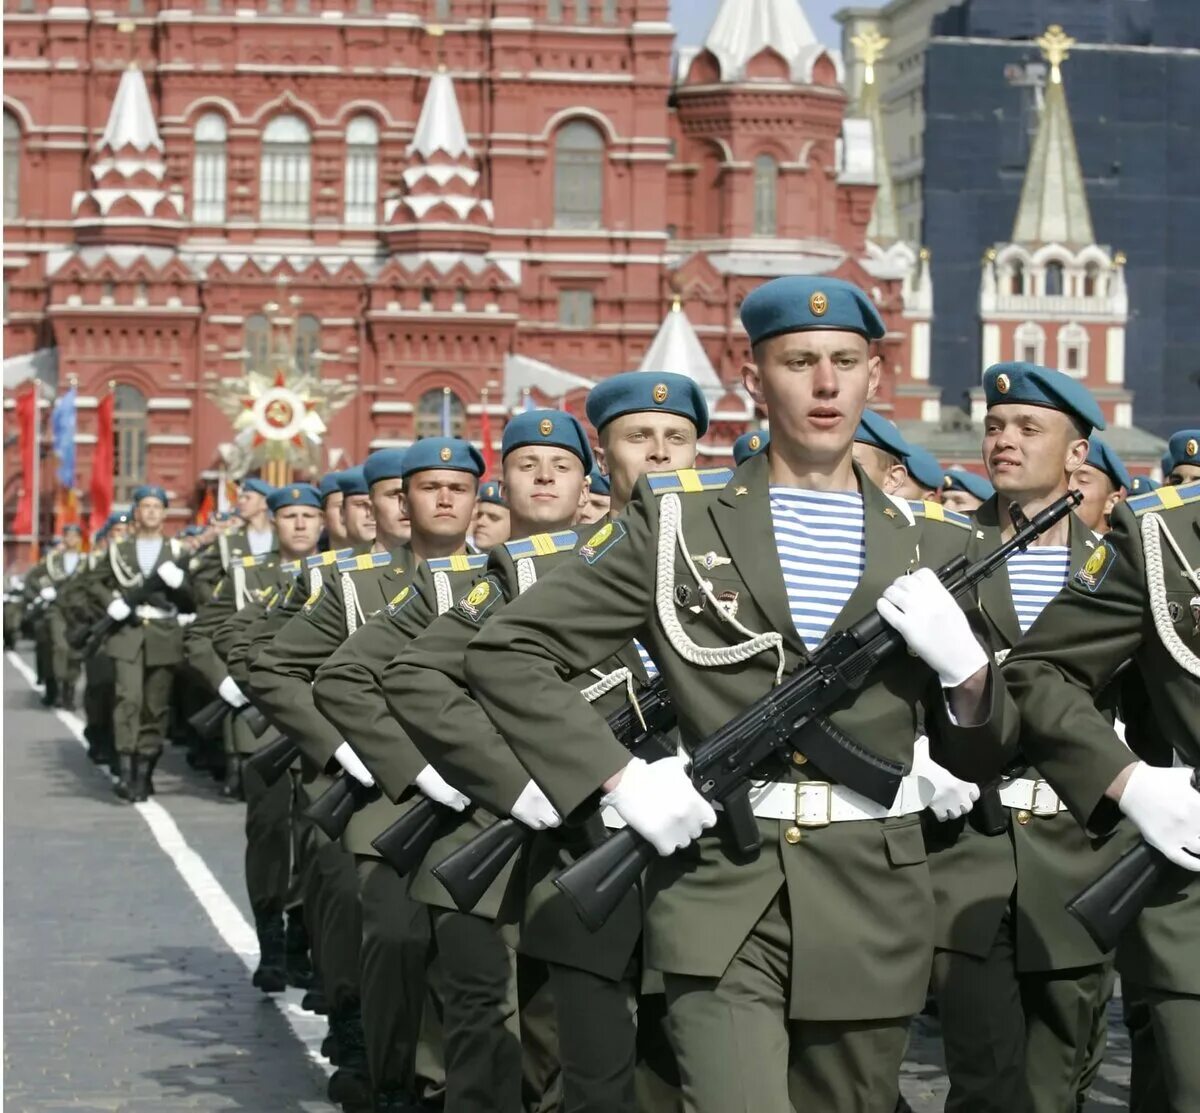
<point>684,597</point>
<point>711,560</point>
<point>889,511</point>
<point>979,534</point>
<point>741,490</point>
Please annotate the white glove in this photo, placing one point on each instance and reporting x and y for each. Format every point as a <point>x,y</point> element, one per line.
<point>659,801</point>
<point>941,791</point>
<point>170,573</point>
<point>118,610</point>
<point>1166,809</point>
<point>933,625</point>
<point>186,619</point>
<point>49,594</point>
<point>433,785</point>
<point>229,691</point>
<point>352,763</point>
<point>533,808</point>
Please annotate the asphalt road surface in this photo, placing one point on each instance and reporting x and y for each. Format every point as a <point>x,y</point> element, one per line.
<point>128,946</point>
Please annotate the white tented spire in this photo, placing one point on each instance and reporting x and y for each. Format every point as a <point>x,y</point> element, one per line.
<point>440,127</point>
<point>743,28</point>
<point>131,120</point>
<point>677,349</point>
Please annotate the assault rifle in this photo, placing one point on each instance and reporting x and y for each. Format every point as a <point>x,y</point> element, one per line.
<point>467,873</point>
<point>335,807</point>
<point>207,721</point>
<point>274,759</point>
<point>790,716</point>
<point>87,640</point>
<point>1112,902</point>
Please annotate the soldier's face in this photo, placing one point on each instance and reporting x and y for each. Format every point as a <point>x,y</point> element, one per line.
<point>298,528</point>
<point>250,503</point>
<point>544,486</point>
<point>1100,497</point>
<point>149,513</point>
<point>440,502</point>
<point>72,541</point>
<point>1183,473</point>
<point>961,501</point>
<point>334,525</point>
<point>910,489</point>
<point>633,444</point>
<point>814,387</point>
<point>491,526</point>
<point>596,507</point>
<point>117,533</point>
<point>1030,450</point>
<point>391,514</point>
<point>359,519</point>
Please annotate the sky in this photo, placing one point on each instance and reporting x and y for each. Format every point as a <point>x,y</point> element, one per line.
<point>692,18</point>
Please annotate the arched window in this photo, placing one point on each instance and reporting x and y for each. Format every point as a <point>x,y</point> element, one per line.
<point>1091,281</point>
<point>1016,281</point>
<point>1073,350</point>
<point>578,176</point>
<point>284,181</point>
<point>256,341</point>
<point>1054,280</point>
<point>362,173</point>
<point>1030,343</point>
<point>208,170</point>
<point>308,343</point>
<point>440,414</point>
<point>129,441</point>
<point>12,167</point>
<point>766,180</point>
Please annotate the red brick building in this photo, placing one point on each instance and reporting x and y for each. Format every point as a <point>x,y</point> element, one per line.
<point>507,196</point>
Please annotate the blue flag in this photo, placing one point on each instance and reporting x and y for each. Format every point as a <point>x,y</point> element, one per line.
<point>62,430</point>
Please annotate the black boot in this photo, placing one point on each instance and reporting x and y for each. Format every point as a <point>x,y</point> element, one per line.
<point>151,762</point>
<point>50,695</point>
<point>271,975</point>
<point>350,1084</point>
<point>66,697</point>
<point>314,1001</point>
<point>232,788</point>
<point>126,773</point>
<point>141,781</point>
<point>299,966</point>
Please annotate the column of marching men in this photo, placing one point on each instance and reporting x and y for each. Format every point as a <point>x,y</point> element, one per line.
<point>436,691</point>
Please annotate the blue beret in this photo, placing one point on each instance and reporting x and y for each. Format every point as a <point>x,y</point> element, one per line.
<point>1104,459</point>
<point>149,491</point>
<point>598,483</point>
<point>644,392</point>
<point>73,526</point>
<point>924,467</point>
<point>801,303</point>
<point>875,429</point>
<point>1184,448</point>
<point>224,516</point>
<point>386,463</point>
<point>352,481</point>
<point>117,518</point>
<point>490,492</point>
<point>329,485</point>
<point>750,444</point>
<point>1140,484</point>
<point>295,494</point>
<point>552,427</point>
<point>959,479</point>
<point>258,486</point>
<point>1031,385</point>
<point>1165,463</point>
<point>450,453</point>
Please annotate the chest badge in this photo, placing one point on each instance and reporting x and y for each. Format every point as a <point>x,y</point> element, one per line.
<point>1194,603</point>
<point>711,560</point>
<point>728,602</point>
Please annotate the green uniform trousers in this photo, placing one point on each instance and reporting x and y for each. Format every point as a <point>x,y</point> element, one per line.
<point>1175,1018</point>
<point>739,1052</point>
<point>43,656</point>
<point>333,918</point>
<point>66,661</point>
<point>268,843</point>
<point>143,705</point>
<point>1014,1041</point>
<point>1146,1093</point>
<point>396,953</point>
<point>99,697</point>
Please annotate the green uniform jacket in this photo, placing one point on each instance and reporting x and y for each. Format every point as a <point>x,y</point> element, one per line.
<point>427,689</point>
<point>860,890</point>
<point>1042,860</point>
<point>160,639</point>
<point>282,674</point>
<point>213,562</point>
<point>1105,617</point>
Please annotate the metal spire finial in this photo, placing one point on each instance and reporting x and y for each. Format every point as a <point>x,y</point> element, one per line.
<point>1056,47</point>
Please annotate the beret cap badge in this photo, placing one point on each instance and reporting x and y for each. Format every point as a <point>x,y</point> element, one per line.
<point>546,427</point>
<point>1192,447</point>
<point>1003,383</point>
<point>445,454</point>
<point>818,304</point>
<point>660,393</point>
<point>755,443</point>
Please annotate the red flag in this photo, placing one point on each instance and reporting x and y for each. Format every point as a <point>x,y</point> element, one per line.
<point>102,464</point>
<point>66,510</point>
<point>26,410</point>
<point>485,434</point>
<point>207,505</point>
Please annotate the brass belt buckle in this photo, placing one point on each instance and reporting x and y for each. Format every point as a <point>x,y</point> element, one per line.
<point>1045,800</point>
<point>814,804</point>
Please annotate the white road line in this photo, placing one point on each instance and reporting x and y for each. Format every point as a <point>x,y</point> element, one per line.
<point>225,915</point>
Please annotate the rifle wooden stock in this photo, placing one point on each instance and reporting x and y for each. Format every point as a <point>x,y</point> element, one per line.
<point>406,842</point>
<point>725,763</point>
<point>274,759</point>
<point>1111,903</point>
<point>256,721</point>
<point>208,720</point>
<point>335,807</point>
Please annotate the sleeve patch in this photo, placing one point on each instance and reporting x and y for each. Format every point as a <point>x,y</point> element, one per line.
<point>310,604</point>
<point>607,536</point>
<point>401,600</point>
<point>1098,565</point>
<point>480,599</point>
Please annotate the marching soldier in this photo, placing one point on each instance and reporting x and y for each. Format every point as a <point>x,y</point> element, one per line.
<point>14,609</point>
<point>964,491</point>
<point>58,664</point>
<point>1019,983</point>
<point>1103,481</point>
<point>148,644</point>
<point>335,536</point>
<point>297,517</point>
<point>248,532</point>
<point>1137,597</point>
<point>1183,451</point>
<point>809,960</point>
<point>924,476</point>
<point>491,525</point>
<point>599,500</point>
<point>750,444</point>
